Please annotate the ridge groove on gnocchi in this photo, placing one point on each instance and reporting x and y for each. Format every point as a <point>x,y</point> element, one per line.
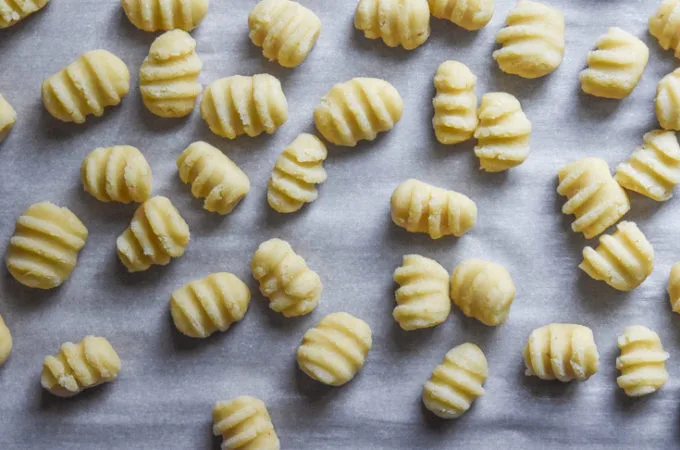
<point>293,289</point>
<point>456,382</point>
<point>419,207</point>
<point>642,362</point>
<point>396,22</point>
<point>594,197</point>
<point>623,260</point>
<point>5,342</point>
<point>94,81</point>
<point>14,11</point>
<point>8,116</point>
<point>244,424</point>
<point>668,100</point>
<point>483,290</point>
<point>239,105</point>
<point>674,287</point>
<point>168,77</point>
<point>653,169</point>
<point>469,14</point>
<point>502,134</point>
<point>296,173</point>
<point>155,15</point>
<point>157,233</point>
<point>616,66</point>
<point>358,110</point>
<point>532,40</point>
<point>77,367</point>
<point>563,352</point>
<point>117,174</point>
<point>664,25</point>
<point>43,251</point>
<point>213,176</point>
<point>423,294</point>
<point>455,105</point>
<point>203,307</point>
<point>336,349</point>
<point>285,30</point>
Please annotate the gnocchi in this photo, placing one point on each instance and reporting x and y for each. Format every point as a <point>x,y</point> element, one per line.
<point>213,176</point>
<point>7,117</point>
<point>286,31</point>
<point>668,101</point>
<point>88,85</point>
<point>396,22</point>
<point>664,25</point>
<point>44,249</point>
<point>455,105</point>
<point>5,342</point>
<point>244,424</point>
<point>155,15</point>
<point>13,11</point>
<point>293,289</point>
<point>642,362</point>
<point>117,174</point>
<point>157,233</point>
<point>469,14</point>
<point>674,287</point>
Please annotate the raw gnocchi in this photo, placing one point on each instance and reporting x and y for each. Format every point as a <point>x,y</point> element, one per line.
<point>664,25</point>
<point>674,287</point>
<point>296,173</point>
<point>423,294</point>
<point>293,289</point>
<point>483,290</point>
<point>532,40</point>
<point>502,134</point>
<point>668,101</point>
<point>419,207</point>
<point>623,260</point>
<point>653,169</point>
<point>88,85</point>
<point>286,30</point>
<point>594,197</point>
<point>43,251</point>
<point>117,174</point>
<point>244,424</point>
<point>13,11</point>
<point>456,382</point>
<point>155,15</point>
<point>563,352</point>
<point>7,117</point>
<point>335,350</point>
<point>239,105</point>
<point>455,105</point>
<point>77,367</point>
<point>396,22</point>
<point>615,68</point>
<point>213,176</point>
<point>469,14</point>
<point>358,110</point>
<point>642,362</point>
<point>157,233</point>
<point>5,342</point>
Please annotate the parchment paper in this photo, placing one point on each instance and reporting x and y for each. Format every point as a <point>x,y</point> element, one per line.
<point>168,383</point>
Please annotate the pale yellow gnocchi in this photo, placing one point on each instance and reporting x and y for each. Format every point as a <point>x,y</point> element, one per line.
<point>14,11</point>
<point>244,424</point>
<point>7,117</point>
<point>664,25</point>
<point>117,174</point>
<point>469,14</point>
<point>455,105</point>
<point>155,15</point>
<point>668,101</point>
<point>403,23</point>
<point>642,362</point>
<point>674,287</point>
<point>5,342</point>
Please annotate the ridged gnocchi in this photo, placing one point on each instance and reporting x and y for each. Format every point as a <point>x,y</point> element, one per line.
<point>674,287</point>
<point>502,134</point>
<point>623,260</point>
<point>5,342</point>
<point>615,68</point>
<point>117,174</point>
<point>168,78</point>
<point>483,290</point>
<point>664,25</point>
<point>358,110</point>
<point>456,382</point>
<point>14,11</point>
<point>213,176</point>
<point>296,173</point>
<point>77,367</point>
<point>563,352</point>
<point>419,207</point>
<point>155,15</point>
<point>244,424</point>
<point>469,14</point>
<point>532,40</point>
<point>157,233</point>
<point>396,22</point>
<point>336,349</point>
<point>594,197</point>
<point>88,85</point>
<point>7,117</point>
<point>285,30</point>
<point>43,251</point>
<point>214,303</point>
<point>455,105</point>
<point>668,101</point>
<point>239,105</point>
<point>653,169</point>
<point>642,362</point>
<point>423,294</point>
<point>293,289</point>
